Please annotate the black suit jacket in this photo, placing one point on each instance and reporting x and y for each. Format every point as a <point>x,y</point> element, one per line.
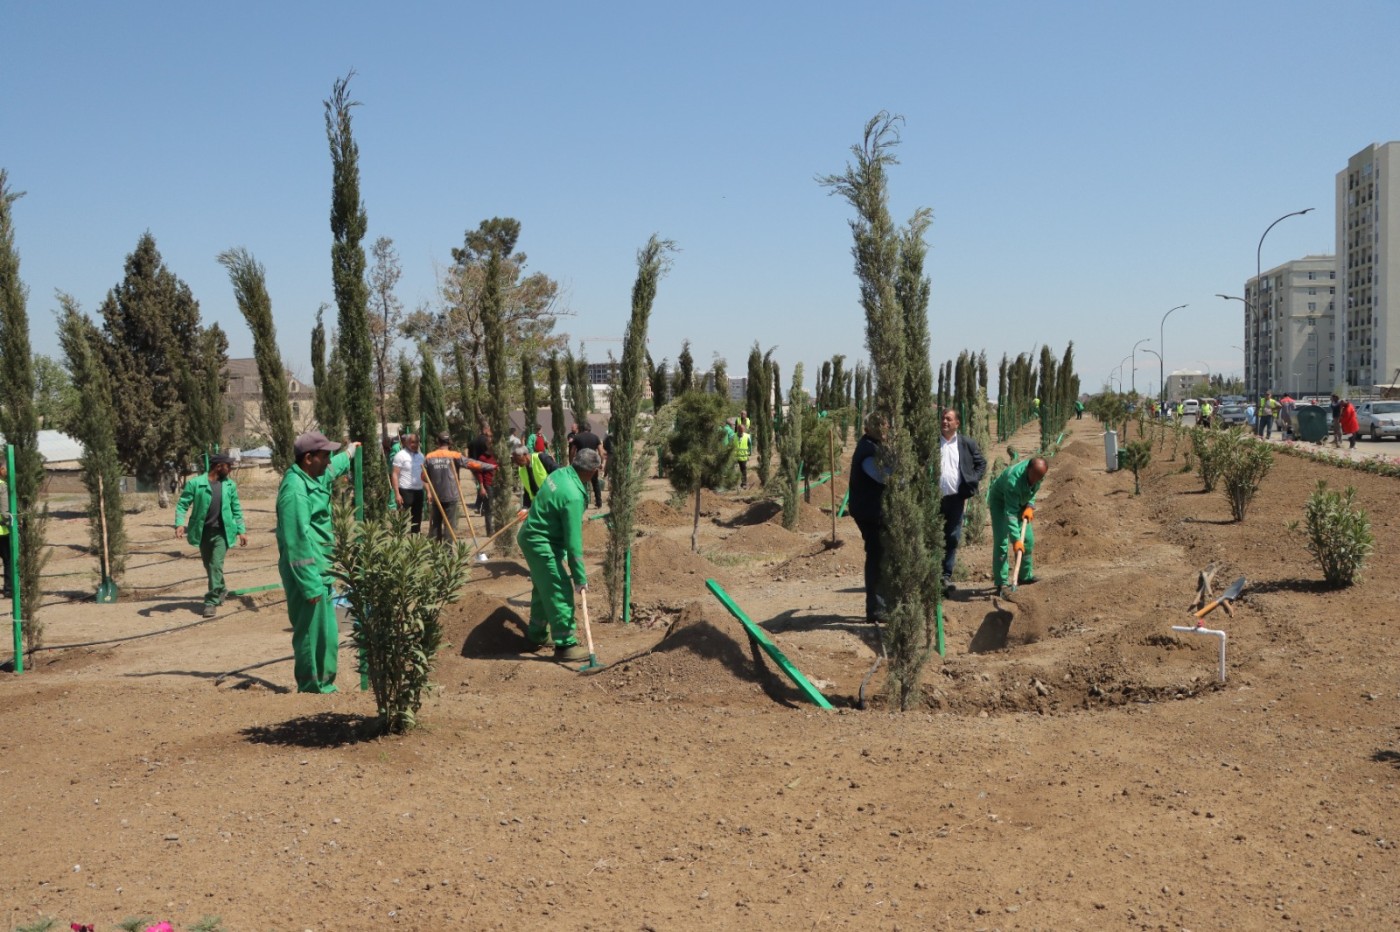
<point>972,466</point>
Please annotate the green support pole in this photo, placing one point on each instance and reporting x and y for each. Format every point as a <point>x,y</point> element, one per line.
<point>359,467</point>
<point>14,557</point>
<point>627,589</point>
<point>252,589</point>
<point>845,500</point>
<point>939,644</point>
<point>759,637</point>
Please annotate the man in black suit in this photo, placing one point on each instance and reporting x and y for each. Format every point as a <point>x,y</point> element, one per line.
<point>963,467</point>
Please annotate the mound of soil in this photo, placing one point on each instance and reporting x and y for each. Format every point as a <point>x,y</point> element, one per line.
<point>658,514</point>
<point>757,513</point>
<point>1081,449</point>
<point>666,571</point>
<point>823,562</point>
<point>483,626</point>
<point>595,534</point>
<point>704,658</point>
<point>765,539</point>
<point>810,518</point>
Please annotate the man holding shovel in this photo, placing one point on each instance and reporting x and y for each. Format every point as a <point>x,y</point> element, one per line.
<point>551,537</point>
<point>215,521</point>
<point>1010,501</point>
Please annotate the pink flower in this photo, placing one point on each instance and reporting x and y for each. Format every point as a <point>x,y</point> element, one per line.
<point>161,927</point>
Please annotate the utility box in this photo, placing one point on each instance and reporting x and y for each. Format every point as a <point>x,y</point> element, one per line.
<point>1110,450</point>
<point>1312,422</point>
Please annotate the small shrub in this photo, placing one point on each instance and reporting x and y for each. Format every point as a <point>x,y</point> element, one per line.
<point>1243,463</point>
<point>1137,455</point>
<point>1208,447</point>
<point>396,585</point>
<point>1338,533</point>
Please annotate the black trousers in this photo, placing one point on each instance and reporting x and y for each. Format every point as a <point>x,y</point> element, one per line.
<point>874,556</point>
<point>413,501</point>
<point>952,507</point>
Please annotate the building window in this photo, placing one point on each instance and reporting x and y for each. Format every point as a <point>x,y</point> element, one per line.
<point>1312,305</point>
<point>296,409</point>
<point>1312,276</point>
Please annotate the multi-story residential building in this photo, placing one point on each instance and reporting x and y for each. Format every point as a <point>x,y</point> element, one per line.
<point>1290,340</point>
<point>1368,262</point>
<point>1182,384</point>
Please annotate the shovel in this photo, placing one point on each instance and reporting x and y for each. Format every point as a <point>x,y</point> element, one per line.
<point>1226,597</point>
<point>107,589</point>
<point>1016,568</point>
<point>593,663</point>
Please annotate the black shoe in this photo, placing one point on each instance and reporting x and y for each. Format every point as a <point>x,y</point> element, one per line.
<point>948,584</point>
<point>571,654</point>
<point>1029,581</point>
<point>210,611</point>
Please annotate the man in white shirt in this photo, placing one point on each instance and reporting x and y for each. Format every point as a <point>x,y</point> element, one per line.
<point>962,467</point>
<point>408,480</point>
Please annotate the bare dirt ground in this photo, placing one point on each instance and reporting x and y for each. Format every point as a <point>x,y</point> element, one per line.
<point>1073,763</point>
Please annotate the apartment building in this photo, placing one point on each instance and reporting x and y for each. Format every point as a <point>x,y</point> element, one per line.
<point>1368,265</point>
<point>1290,338</point>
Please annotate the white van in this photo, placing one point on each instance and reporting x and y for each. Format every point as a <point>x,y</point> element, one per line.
<point>1190,406</point>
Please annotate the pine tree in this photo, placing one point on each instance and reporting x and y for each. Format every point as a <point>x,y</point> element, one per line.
<point>94,427</point>
<point>697,456</point>
<point>250,290</point>
<point>556,406</point>
<point>19,422</point>
<point>432,399</point>
<point>625,478</point>
<point>348,225</point>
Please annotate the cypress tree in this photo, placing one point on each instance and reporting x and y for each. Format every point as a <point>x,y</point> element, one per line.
<point>579,385</point>
<point>335,391</point>
<point>908,566</point>
<point>406,390</point>
<point>208,380</point>
<point>660,381</point>
<point>250,290</point>
<point>720,376</point>
<point>556,406</point>
<point>94,427</point>
<point>348,225</point>
<point>495,239</point>
<point>467,402</point>
<point>19,421</point>
<point>753,401</point>
<point>530,404</point>
<point>685,371</point>
<point>384,322</point>
<point>319,374</point>
<point>625,478</point>
<point>763,419</point>
<point>790,448</point>
<point>921,420</point>
<point>432,400</point>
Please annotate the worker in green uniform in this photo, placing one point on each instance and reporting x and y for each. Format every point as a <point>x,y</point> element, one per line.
<point>551,538</point>
<point>215,522</point>
<point>305,539</point>
<point>1010,501</point>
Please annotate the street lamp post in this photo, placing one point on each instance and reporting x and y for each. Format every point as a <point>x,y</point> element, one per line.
<point>1317,373</point>
<point>1159,368</point>
<point>1162,342</point>
<point>1258,273</point>
<point>1134,356</point>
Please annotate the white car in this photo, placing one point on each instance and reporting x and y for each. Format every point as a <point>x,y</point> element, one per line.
<point>1379,419</point>
<point>1190,406</point>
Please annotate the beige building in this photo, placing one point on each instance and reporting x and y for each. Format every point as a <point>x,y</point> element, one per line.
<point>243,416</point>
<point>1182,383</point>
<point>1368,263</point>
<point>1290,340</point>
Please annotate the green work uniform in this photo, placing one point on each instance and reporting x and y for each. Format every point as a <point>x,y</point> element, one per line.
<point>305,540</point>
<point>1008,497</point>
<point>194,501</point>
<point>550,538</point>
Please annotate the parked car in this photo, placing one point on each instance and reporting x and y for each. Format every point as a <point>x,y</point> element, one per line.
<point>1232,414</point>
<point>1379,419</point>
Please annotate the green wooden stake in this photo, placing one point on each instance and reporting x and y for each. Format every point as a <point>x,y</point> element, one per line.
<point>359,466</point>
<point>759,637</point>
<point>252,589</point>
<point>938,642</point>
<point>845,500</point>
<point>627,588</point>
<point>14,557</point>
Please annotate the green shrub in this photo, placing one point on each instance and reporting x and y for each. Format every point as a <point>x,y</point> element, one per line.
<point>1338,533</point>
<point>1206,444</point>
<point>1136,456</point>
<point>1243,464</point>
<point>396,586</point>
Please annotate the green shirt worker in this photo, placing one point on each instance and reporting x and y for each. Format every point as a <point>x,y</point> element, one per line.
<point>1010,502</point>
<point>215,521</point>
<point>305,540</point>
<point>551,538</point>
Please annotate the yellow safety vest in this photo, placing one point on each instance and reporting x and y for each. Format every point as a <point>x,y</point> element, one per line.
<point>741,447</point>
<point>536,471</point>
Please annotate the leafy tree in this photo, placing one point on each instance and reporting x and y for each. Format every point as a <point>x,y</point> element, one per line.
<point>397,584</point>
<point>56,401</point>
<point>348,225</point>
<point>576,371</point>
<point>685,372</point>
<point>408,395</point>
<point>19,421</point>
<point>556,405</point>
<point>495,239</point>
<point>94,427</point>
<point>697,456</point>
<point>908,578</point>
<point>151,330</point>
<point>384,322</point>
<point>250,290</point>
<point>432,400</point>
<point>625,477</point>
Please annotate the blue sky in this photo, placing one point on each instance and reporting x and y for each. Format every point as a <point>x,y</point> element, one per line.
<point>1089,165</point>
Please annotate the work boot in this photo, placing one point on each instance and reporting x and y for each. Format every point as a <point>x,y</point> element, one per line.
<point>210,611</point>
<point>571,654</point>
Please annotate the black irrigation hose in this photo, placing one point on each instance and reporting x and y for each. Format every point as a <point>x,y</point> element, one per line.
<point>147,634</point>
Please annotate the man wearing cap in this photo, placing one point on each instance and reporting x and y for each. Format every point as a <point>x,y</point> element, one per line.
<point>1011,501</point>
<point>305,540</point>
<point>534,469</point>
<point>551,537</point>
<point>440,469</point>
<point>215,521</point>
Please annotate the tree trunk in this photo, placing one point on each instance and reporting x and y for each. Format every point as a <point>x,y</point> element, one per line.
<point>695,526</point>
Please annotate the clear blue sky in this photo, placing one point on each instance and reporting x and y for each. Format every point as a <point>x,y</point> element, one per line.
<point>1089,165</point>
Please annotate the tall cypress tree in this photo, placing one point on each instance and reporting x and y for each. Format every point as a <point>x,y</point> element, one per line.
<point>431,397</point>
<point>319,373</point>
<point>685,371</point>
<point>576,371</point>
<point>250,290</point>
<point>94,427</point>
<point>466,392</point>
<point>19,420</point>
<point>660,383</point>
<point>495,239</point>
<point>407,394</point>
<point>757,388</point>
<point>790,448</point>
<point>625,476</point>
<point>530,403</point>
<point>348,225</point>
<point>556,406</point>
<point>207,381</point>
<point>921,420</point>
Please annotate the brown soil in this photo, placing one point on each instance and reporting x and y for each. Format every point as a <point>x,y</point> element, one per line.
<point>1072,762</point>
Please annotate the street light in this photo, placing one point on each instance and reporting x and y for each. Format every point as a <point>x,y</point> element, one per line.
<point>1159,369</point>
<point>1258,273</point>
<point>1162,342</point>
<point>1134,355</point>
<point>1317,373</point>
